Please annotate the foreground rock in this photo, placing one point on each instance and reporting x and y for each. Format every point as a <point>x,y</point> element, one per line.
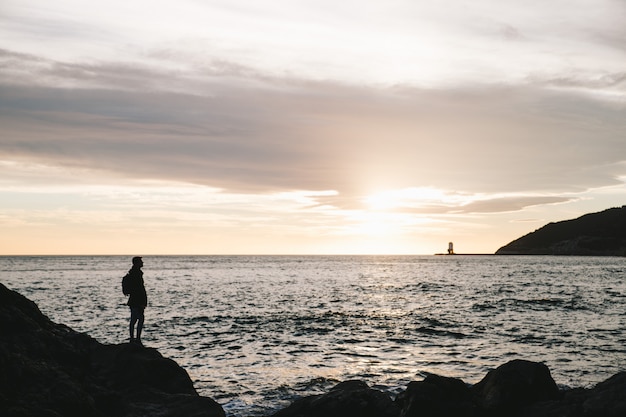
<point>47,369</point>
<point>347,399</point>
<point>516,389</point>
<point>515,385</point>
<point>437,396</point>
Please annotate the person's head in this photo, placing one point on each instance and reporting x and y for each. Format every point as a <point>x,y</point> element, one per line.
<point>137,261</point>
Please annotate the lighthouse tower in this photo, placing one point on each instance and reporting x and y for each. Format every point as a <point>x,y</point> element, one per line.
<point>450,249</point>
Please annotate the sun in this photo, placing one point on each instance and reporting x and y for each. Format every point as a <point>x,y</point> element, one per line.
<point>389,221</point>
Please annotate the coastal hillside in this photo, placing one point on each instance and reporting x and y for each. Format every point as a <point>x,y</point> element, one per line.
<point>595,234</point>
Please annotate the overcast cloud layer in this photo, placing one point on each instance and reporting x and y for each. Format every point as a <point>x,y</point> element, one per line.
<point>498,106</point>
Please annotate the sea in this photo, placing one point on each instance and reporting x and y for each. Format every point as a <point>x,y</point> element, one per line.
<point>256,332</point>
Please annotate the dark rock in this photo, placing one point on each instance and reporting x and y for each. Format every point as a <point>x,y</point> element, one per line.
<point>608,398</point>
<point>569,405</point>
<point>47,369</point>
<point>130,365</point>
<point>516,389</point>
<point>436,396</point>
<point>347,399</point>
<point>515,384</point>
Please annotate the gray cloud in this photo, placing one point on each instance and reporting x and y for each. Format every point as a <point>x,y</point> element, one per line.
<point>606,82</point>
<point>508,204</point>
<point>495,204</point>
<point>231,128</point>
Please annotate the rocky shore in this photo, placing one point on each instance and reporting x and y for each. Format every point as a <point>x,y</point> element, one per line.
<point>47,369</point>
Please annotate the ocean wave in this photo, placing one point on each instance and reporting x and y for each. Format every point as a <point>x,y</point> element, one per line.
<point>256,332</point>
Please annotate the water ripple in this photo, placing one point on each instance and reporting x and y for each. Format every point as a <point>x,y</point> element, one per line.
<point>254,332</point>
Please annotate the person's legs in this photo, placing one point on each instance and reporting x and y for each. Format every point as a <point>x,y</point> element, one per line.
<point>139,323</point>
<point>134,317</point>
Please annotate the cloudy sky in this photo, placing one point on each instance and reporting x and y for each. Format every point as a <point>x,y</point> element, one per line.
<point>305,126</point>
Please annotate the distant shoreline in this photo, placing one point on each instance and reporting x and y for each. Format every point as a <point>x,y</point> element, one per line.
<point>465,254</point>
<point>528,254</point>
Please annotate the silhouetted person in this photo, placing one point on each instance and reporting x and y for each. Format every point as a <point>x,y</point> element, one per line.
<point>132,285</point>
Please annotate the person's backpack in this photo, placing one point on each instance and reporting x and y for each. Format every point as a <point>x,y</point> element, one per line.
<point>126,284</point>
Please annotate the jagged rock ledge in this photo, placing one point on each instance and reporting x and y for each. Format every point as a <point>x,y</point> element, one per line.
<point>47,369</point>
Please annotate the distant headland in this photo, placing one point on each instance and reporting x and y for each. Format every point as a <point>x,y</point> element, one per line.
<point>594,234</point>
